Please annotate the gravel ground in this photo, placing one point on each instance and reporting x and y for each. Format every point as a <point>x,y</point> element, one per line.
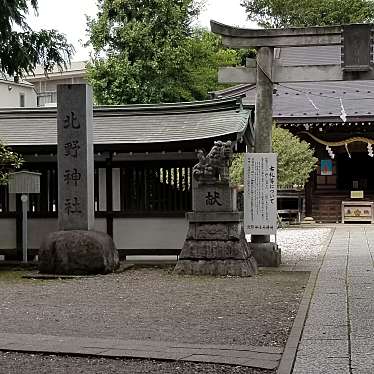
<point>301,246</point>
<point>15,363</point>
<point>134,305</point>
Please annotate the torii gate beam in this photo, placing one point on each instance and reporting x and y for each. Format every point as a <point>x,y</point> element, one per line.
<point>356,57</point>
<point>234,37</point>
<point>287,74</point>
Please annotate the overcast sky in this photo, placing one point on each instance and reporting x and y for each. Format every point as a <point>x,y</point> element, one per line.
<point>68,17</point>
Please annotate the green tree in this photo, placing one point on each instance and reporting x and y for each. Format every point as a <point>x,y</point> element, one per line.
<point>21,51</point>
<point>9,162</point>
<point>148,52</point>
<point>205,55</point>
<point>295,160</point>
<point>288,13</point>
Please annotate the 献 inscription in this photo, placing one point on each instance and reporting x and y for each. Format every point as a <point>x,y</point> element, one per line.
<point>213,199</point>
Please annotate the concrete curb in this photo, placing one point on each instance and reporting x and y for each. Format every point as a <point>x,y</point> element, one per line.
<point>289,354</point>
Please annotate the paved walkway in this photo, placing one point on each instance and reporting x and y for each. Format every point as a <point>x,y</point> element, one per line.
<point>338,336</point>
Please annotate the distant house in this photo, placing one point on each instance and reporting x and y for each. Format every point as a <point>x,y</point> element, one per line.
<point>324,114</point>
<point>46,85</point>
<point>17,95</point>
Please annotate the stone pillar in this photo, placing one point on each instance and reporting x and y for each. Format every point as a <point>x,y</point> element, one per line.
<point>75,157</point>
<point>76,249</point>
<point>215,243</point>
<point>263,144</point>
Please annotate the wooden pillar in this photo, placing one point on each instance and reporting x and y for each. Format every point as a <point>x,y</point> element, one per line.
<point>19,235</point>
<point>264,111</point>
<point>109,196</point>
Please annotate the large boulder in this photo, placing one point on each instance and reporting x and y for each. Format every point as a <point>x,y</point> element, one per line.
<point>78,252</point>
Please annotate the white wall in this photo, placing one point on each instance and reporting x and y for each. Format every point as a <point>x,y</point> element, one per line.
<point>7,233</point>
<point>37,229</point>
<point>129,233</point>
<point>149,233</point>
<point>10,95</point>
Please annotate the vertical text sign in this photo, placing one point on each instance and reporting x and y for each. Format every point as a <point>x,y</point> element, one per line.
<point>260,193</point>
<point>75,157</point>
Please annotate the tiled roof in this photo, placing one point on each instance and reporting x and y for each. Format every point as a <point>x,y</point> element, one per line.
<point>320,99</point>
<point>134,124</point>
<point>313,100</point>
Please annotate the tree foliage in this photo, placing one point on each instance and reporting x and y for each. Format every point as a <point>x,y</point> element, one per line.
<point>288,13</point>
<point>21,51</point>
<point>9,162</point>
<point>148,52</point>
<point>295,160</point>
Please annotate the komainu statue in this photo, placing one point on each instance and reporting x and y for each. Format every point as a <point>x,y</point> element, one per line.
<point>215,242</point>
<point>215,165</point>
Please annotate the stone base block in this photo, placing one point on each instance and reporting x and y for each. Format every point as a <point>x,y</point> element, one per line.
<point>239,268</point>
<point>266,254</point>
<point>215,250</point>
<point>214,257</point>
<point>215,231</point>
<point>78,252</point>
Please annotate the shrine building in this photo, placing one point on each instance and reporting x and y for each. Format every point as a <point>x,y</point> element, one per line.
<point>337,119</point>
<point>144,156</point>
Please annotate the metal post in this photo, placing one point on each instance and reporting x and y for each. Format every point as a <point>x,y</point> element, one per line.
<point>24,199</point>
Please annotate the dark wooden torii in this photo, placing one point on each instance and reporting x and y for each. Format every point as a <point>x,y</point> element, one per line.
<point>356,43</point>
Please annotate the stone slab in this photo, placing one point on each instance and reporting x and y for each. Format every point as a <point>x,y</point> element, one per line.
<point>361,328</point>
<point>263,364</point>
<point>75,157</point>
<point>217,360</point>
<point>147,354</point>
<point>325,332</point>
<point>362,363</point>
<point>215,216</point>
<point>251,356</point>
<point>215,231</point>
<point>317,365</point>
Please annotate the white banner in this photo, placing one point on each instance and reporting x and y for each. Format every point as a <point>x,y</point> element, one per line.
<point>260,193</point>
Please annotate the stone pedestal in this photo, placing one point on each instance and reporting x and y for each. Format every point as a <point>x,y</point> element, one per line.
<point>215,243</point>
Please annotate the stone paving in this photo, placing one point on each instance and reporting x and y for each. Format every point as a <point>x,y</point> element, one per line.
<point>339,329</point>
<point>251,356</point>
